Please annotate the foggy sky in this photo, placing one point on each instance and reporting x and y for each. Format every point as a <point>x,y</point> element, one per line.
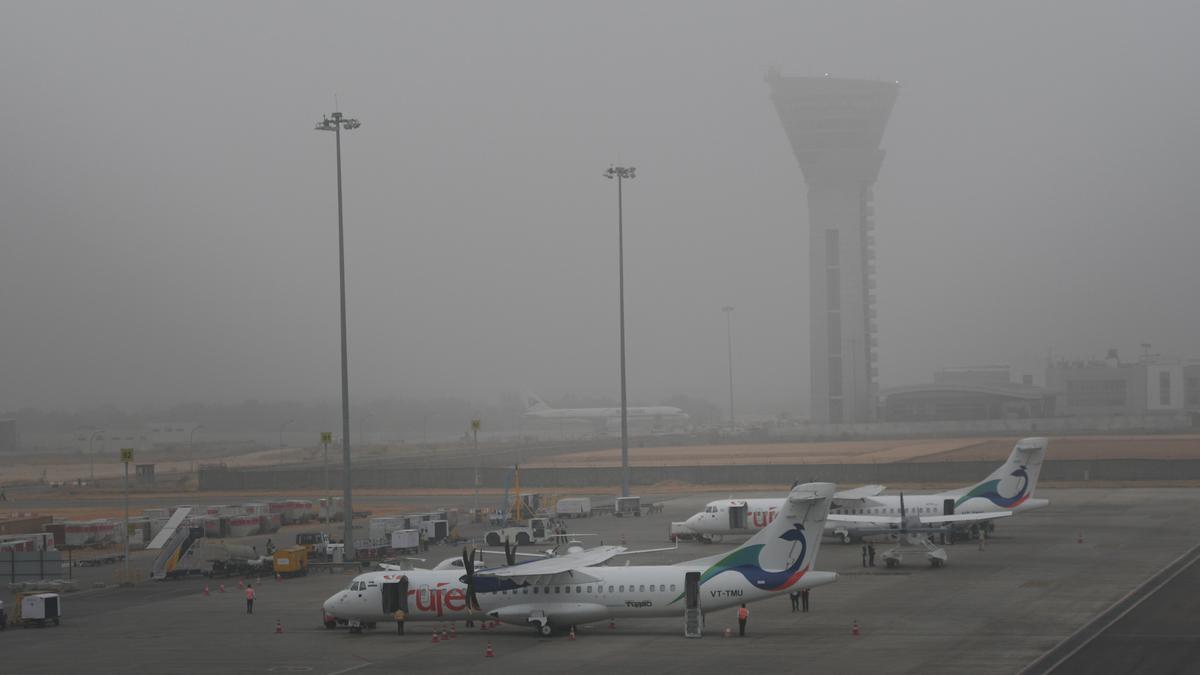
<point>168,215</point>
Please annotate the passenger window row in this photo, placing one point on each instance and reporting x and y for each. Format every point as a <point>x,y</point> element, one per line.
<point>641,588</point>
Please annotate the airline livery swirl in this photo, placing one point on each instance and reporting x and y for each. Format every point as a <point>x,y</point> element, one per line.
<point>990,491</point>
<point>744,561</point>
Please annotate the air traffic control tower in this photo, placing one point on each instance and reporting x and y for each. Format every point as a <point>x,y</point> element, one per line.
<point>835,126</point>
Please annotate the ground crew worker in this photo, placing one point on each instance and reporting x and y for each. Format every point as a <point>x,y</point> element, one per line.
<point>864,555</point>
<point>249,598</point>
<point>795,596</point>
<point>804,599</point>
<point>871,554</point>
<point>743,615</point>
<point>399,615</point>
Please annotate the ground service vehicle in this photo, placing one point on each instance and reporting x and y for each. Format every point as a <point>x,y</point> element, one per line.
<point>315,542</point>
<point>37,609</point>
<point>291,561</point>
<point>628,505</point>
<point>536,530</point>
<point>406,541</point>
<point>573,507</point>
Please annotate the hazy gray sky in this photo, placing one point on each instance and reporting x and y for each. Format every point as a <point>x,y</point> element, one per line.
<point>167,213</point>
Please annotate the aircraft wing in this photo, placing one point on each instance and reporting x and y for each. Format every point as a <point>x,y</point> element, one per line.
<point>546,569</point>
<point>964,517</point>
<point>840,518</point>
<point>857,494</point>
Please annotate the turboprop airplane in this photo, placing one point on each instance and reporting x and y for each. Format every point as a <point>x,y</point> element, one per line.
<point>855,512</point>
<point>536,408</point>
<point>578,588</point>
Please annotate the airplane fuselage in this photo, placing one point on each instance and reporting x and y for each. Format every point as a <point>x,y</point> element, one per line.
<point>658,412</point>
<point>616,592</point>
<point>715,520</point>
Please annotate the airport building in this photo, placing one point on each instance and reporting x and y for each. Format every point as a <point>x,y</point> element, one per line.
<point>1083,388</point>
<point>972,393</point>
<point>835,126</point>
<point>1152,384</point>
<point>8,435</point>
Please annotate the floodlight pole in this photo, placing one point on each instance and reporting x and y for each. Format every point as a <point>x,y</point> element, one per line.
<point>335,122</point>
<point>621,173</point>
<point>729,334</point>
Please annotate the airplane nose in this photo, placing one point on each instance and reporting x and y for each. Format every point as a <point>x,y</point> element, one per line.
<point>331,602</point>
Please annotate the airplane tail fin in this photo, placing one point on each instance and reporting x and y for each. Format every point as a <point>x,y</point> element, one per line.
<point>534,403</point>
<point>782,552</point>
<point>1013,482</point>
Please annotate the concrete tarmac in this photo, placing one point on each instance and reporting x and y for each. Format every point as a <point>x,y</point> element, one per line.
<point>991,611</point>
<point>1158,636</point>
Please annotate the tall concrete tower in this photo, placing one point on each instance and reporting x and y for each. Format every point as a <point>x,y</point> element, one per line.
<point>835,126</point>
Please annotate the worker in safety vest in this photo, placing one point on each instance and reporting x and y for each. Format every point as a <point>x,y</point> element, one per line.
<point>249,598</point>
<point>743,615</point>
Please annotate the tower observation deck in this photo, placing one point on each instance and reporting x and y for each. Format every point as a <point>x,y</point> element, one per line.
<point>835,127</point>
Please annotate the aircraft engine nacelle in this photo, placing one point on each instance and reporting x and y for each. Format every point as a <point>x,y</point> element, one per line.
<point>557,614</point>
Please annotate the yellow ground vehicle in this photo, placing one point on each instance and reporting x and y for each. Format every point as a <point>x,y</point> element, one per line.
<point>291,561</point>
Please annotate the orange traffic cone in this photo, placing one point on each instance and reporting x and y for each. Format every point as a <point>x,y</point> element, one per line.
<point>728,632</point>
<point>278,627</point>
<point>240,584</point>
<point>612,624</point>
<point>1079,539</point>
<point>445,635</point>
<point>221,588</point>
<point>278,576</point>
<point>483,625</point>
<point>571,635</point>
<point>435,638</point>
<point>854,630</point>
<point>206,591</point>
<point>623,539</point>
<point>453,631</point>
<point>489,653</point>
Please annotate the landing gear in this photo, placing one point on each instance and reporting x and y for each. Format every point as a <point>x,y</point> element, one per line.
<point>545,630</point>
<point>845,537</point>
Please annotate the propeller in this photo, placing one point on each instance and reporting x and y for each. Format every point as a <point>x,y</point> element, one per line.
<point>510,553</point>
<point>469,568</point>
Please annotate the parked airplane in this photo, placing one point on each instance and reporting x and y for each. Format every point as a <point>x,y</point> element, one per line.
<point>862,510</point>
<point>559,592</point>
<point>536,408</point>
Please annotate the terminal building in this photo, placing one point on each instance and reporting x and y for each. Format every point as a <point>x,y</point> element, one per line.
<point>1083,388</point>
<point>1153,384</point>
<point>973,393</point>
<point>835,127</point>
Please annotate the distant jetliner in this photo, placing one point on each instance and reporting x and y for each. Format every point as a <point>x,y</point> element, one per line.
<point>536,408</point>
